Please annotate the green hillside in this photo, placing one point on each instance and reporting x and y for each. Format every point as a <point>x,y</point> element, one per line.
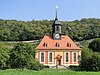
<point>13,30</point>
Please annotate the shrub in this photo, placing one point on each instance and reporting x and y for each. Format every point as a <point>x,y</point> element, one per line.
<point>90,60</point>
<point>35,65</point>
<point>4,57</point>
<point>95,45</point>
<point>21,55</point>
<point>46,66</point>
<point>73,67</point>
<point>95,62</point>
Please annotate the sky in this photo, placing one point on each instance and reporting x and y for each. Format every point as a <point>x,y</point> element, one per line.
<point>68,10</point>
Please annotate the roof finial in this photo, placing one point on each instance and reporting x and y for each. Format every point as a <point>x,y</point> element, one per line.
<point>56,13</point>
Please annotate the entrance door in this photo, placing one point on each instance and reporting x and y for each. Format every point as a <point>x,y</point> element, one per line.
<point>59,62</point>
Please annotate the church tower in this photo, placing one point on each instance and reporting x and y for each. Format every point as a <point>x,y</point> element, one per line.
<point>56,28</point>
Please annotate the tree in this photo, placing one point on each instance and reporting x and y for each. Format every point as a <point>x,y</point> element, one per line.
<point>95,62</point>
<point>95,45</point>
<point>22,55</point>
<point>86,55</point>
<point>90,61</point>
<point>4,57</point>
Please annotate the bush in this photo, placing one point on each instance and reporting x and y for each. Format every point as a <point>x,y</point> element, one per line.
<point>35,65</point>
<point>4,57</point>
<point>90,61</point>
<point>95,62</point>
<point>75,68</point>
<point>22,57</point>
<point>95,45</point>
<point>46,66</point>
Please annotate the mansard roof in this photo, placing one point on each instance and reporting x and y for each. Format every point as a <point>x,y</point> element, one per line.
<point>47,43</point>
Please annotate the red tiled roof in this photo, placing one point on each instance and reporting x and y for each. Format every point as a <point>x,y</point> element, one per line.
<point>65,43</point>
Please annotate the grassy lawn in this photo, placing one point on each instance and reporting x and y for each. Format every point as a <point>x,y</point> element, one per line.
<point>46,72</point>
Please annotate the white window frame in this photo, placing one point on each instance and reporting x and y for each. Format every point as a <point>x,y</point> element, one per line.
<point>68,57</point>
<point>40,57</point>
<point>48,57</point>
<point>73,57</point>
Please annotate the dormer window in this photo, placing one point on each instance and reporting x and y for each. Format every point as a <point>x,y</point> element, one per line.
<point>57,45</point>
<point>45,45</point>
<point>68,45</point>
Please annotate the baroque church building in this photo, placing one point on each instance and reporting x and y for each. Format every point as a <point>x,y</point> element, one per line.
<point>58,49</point>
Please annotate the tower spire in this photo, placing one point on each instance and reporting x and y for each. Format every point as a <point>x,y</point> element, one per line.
<point>56,18</point>
<point>56,28</point>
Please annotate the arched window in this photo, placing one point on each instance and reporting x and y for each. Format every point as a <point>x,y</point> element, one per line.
<point>74,56</point>
<point>50,57</point>
<point>42,57</point>
<point>67,57</point>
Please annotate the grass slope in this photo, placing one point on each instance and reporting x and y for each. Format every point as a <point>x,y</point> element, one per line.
<point>46,72</point>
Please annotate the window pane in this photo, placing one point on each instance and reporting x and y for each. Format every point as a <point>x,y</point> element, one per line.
<point>74,57</point>
<point>42,57</point>
<point>50,57</point>
<point>67,57</point>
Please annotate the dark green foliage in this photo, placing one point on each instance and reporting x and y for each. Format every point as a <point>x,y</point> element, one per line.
<point>75,68</point>
<point>4,57</point>
<point>90,60</point>
<point>12,30</point>
<point>46,66</point>
<point>95,45</point>
<point>35,65</point>
<point>95,62</point>
<point>85,56</point>
<point>22,56</point>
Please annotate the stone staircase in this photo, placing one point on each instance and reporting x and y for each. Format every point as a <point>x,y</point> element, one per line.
<point>60,67</point>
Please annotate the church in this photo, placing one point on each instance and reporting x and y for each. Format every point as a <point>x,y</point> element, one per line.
<point>58,49</point>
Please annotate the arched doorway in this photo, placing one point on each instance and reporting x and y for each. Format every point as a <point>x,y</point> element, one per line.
<point>58,62</point>
<point>58,59</point>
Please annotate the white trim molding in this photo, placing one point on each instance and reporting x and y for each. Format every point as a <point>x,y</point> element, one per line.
<point>68,57</point>
<point>52,57</point>
<point>73,57</point>
<point>44,57</point>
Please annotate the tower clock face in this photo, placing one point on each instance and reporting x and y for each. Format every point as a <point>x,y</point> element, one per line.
<point>57,36</point>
